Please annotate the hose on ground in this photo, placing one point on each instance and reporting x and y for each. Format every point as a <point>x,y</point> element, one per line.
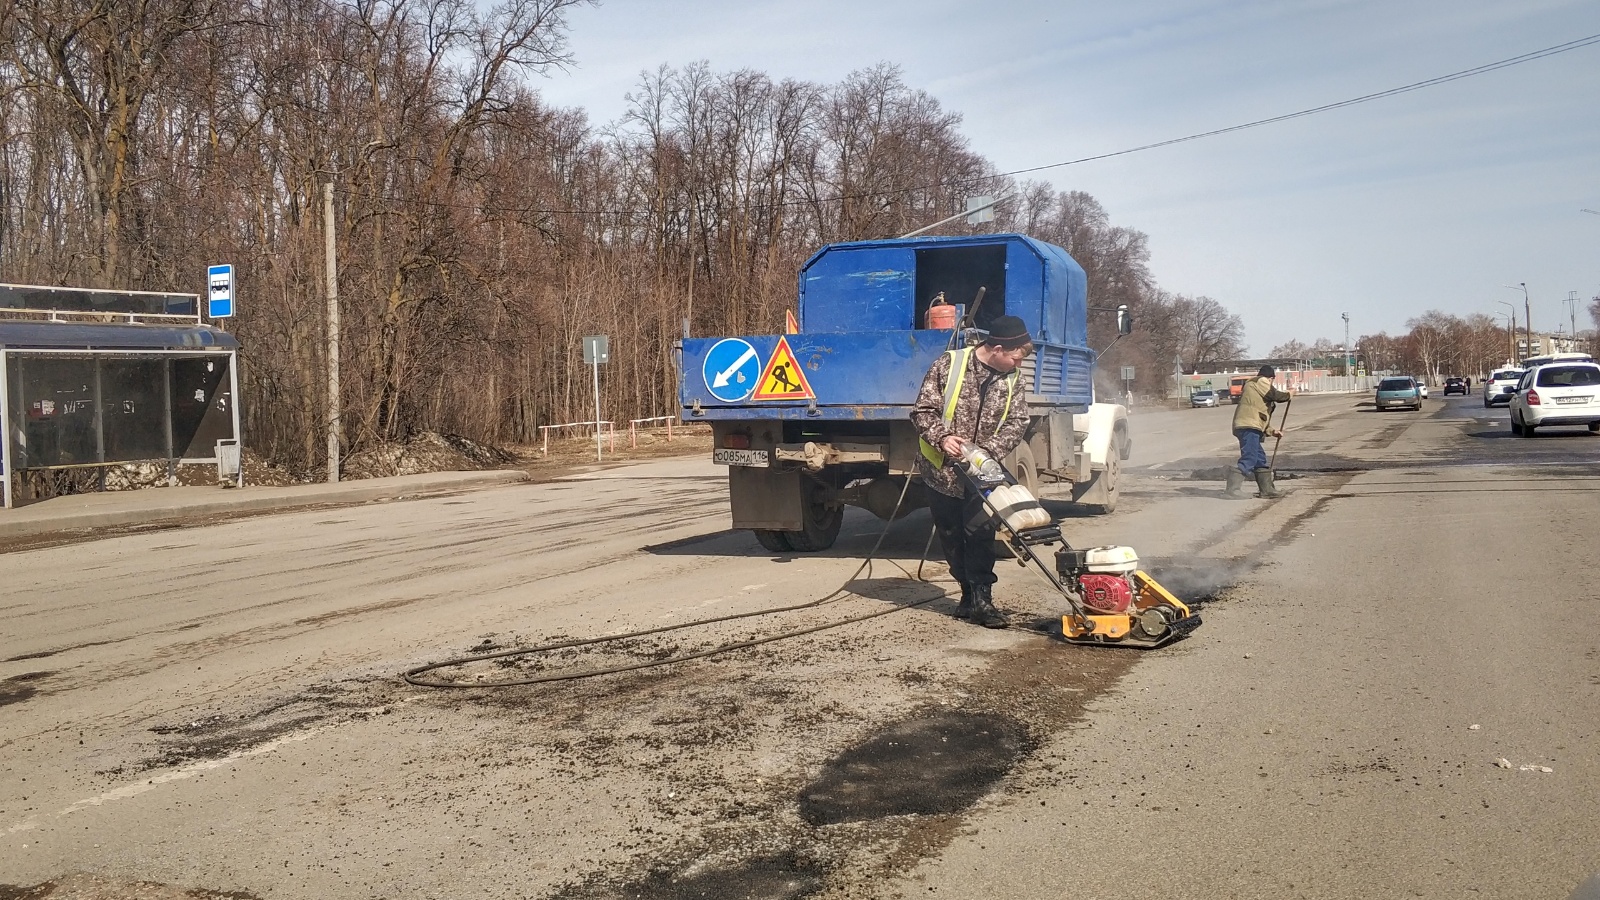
<point>417,676</point>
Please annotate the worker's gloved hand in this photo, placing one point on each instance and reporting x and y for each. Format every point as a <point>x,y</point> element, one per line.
<point>1275,432</point>
<point>954,446</point>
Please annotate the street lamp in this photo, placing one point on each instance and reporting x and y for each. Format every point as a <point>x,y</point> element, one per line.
<point>1511,330</point>
<point>1527,316</point>
<point>1347,364</point>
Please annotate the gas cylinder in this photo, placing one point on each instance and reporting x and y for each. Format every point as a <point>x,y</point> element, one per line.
<point>941,314</point>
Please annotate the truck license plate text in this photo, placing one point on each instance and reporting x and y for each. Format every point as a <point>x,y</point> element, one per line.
<point>725,457</point>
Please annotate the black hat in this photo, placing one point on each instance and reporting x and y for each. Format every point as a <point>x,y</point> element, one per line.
<point>1008,332</point>
<point>1266,372</point>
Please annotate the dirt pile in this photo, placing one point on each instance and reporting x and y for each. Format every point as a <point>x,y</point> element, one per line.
<point>424,452</point>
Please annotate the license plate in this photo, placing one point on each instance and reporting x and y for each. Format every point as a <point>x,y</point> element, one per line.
<point>1573,399</point>
<point>725,457</point>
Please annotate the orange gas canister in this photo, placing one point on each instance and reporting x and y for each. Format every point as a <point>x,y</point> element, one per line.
<point>941,314</point>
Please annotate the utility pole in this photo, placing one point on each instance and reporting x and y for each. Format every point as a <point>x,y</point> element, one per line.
<point>1527,318</point>
<point>1572,315</point>
<point>328,251</point>
<point>1346,318</point>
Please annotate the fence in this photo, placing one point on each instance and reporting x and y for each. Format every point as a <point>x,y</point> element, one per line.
<point>544,432</point>
<point>634,427</point>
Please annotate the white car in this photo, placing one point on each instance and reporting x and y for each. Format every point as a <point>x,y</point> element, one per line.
<point>1563,393</point>
<point>1422,387</point>
<point>1498,386</point>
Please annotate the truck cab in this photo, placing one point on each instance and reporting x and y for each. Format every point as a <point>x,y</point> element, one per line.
<point>810,422</point>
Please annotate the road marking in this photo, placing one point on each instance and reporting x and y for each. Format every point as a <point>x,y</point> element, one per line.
<point>187,772</point>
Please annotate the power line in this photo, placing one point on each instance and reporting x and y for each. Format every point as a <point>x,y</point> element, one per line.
<point>1416,86</point>
<point>1272,120</point>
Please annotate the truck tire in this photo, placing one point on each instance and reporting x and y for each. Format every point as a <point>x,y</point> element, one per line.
<point>1024,469</point>
<point>822,524</point>
<point>775,541</point>
<point>1111,473</point>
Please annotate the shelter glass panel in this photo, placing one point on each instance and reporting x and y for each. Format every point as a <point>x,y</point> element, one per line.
<point>133,413</point>
<point>59,412</point>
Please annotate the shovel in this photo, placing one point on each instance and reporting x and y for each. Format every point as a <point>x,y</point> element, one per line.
<point>1273,463</point>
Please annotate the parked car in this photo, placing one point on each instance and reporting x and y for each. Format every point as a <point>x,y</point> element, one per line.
<point>1563,393</point>
<point>1498,386</point>
<point>1394,393</point>
<point>1455,386</point>
<point>1204,398</point>
<point>1422,386</point>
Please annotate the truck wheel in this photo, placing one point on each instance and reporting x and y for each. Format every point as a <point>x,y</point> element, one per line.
<point>776,541</point>
<point>1110,473</point>
<point>1024,469</point>
<point>822,522</point>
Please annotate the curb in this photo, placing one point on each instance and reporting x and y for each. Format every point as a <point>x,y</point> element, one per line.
<point>159,509</point>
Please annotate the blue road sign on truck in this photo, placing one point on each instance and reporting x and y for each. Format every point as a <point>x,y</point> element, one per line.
<point>846,439</point>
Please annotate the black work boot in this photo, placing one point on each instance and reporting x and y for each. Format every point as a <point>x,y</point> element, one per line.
<point>1265,489</point>
<point>983,611</point>
<point>964,608</point>
<point>1235,489</point>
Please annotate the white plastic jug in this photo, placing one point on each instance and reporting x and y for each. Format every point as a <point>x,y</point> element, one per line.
<point>1018,507</point>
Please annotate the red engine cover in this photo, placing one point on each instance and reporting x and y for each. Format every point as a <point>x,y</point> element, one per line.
<point>1106,593</point>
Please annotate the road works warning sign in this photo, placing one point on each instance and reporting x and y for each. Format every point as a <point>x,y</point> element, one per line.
<point>783,379</point>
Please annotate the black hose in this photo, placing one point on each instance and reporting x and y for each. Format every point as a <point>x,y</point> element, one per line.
<point>414,676</point>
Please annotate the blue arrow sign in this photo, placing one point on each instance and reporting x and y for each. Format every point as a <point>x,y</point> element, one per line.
<point>731,369</point>
<point>219,281</point>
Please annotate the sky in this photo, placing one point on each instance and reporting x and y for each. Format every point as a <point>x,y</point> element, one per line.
<point>1433,199</point>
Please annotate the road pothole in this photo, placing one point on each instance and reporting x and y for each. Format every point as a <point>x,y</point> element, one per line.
<point>940,763</point>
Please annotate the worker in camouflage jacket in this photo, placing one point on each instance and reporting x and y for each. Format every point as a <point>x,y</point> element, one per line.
<point>1252,421</point>
<point>971,397</point>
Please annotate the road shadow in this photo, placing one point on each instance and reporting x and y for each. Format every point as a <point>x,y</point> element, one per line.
<point>860,532</point>
<point>1568,432</point>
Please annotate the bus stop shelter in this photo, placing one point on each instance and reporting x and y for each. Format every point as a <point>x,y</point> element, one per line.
<point>98,378</point>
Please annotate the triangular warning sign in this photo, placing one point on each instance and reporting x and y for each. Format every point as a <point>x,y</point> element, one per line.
<point>783,379</point>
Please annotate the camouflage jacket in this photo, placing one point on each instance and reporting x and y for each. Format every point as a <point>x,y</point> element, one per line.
<point>980,417</point>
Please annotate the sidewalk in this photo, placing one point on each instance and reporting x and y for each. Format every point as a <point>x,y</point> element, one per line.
<point>172,504</point>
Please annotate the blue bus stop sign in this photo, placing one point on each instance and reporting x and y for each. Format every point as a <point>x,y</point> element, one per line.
<point>219,283</point>
<point>731,369</point>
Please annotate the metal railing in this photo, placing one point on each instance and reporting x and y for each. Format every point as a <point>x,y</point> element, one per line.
<point>544,432</point>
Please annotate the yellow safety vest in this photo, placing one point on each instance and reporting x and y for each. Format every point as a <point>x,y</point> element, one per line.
<point>952,390</point>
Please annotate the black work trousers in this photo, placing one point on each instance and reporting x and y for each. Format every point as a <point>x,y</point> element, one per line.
<point>969,550</point>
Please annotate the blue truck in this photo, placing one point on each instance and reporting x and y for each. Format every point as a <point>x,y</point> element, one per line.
<point>810,422</point>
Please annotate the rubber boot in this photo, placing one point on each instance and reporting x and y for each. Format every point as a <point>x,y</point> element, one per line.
<point>983,611</point>
<point>1265,489</point>
<point>1235,489</point>
<point>964,608</point>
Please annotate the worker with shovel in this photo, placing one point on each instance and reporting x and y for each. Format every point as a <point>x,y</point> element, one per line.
<point>1252,421</point>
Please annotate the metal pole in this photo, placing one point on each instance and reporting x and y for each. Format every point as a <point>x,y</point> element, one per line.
<point>238,429</point>
<point>1527,324</point>
<point>329,252</point>
<point>6,456</point>
<point>960,215</point>
<point>597,447</point>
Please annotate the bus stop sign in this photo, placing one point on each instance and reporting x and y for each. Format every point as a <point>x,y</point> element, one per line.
<point>219,284</point>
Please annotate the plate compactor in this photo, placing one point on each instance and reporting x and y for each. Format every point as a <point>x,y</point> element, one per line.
<point>1112,603</point>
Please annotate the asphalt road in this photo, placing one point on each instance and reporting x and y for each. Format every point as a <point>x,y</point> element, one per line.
<point>215,711</point>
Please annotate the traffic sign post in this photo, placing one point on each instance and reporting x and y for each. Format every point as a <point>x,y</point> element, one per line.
<point>596,350</point>
<point>1127,377</point>
<point>219,298</point>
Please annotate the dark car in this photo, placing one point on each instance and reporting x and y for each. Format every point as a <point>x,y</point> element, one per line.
<point>1455,386</point>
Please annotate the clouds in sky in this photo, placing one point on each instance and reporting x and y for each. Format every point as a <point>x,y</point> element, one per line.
<point>1429,200</point>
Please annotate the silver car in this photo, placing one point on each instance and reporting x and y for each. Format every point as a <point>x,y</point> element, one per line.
<point>1498,386</point>
<point>1204,398</point>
